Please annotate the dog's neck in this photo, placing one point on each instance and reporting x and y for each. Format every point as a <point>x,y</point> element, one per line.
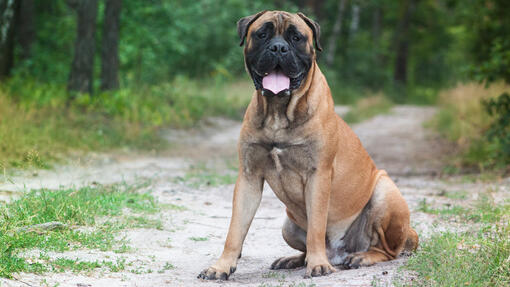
<point>281,112</point>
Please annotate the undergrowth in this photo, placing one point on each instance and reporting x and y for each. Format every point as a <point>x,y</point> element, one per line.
<point>39,123</point>
<point>463,119</point>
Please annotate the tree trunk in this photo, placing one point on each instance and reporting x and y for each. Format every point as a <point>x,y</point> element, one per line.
<point>8,11</point>
<point>402,42</point>
<point>335,34</point>
<point>25,28</point>
<point>110,46</point>
<point>316,6</point>
<point>81,76</point>
<point>355,19</point>
<point>376,26</point>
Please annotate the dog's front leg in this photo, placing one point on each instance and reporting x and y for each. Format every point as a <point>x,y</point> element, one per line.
<point>247,196</point>
<point>317,194</point>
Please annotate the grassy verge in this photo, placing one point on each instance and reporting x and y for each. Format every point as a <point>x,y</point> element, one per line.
<point>369,107</point>
<point>39,124</point>
<point>463,120</point>
<point>78,217</point>
<point>200,175</point>
<point>477,257</point>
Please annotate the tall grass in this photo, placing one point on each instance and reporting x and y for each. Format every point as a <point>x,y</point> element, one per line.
<point>462,119</point>
<point>39,123</point>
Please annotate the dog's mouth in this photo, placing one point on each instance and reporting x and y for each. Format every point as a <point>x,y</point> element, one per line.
<point>277,82</point>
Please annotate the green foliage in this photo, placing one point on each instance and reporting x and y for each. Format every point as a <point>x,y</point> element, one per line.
<point>159,40</point>
<point>72,207</point>
<point>38,124</point>
<point>176,55</point>
<point>366,56</point>
<point>462,119</point>
<point>490,39</point>
<point>499,131</point>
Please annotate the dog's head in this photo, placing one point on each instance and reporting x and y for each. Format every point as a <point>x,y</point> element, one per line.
<point>279,49</point>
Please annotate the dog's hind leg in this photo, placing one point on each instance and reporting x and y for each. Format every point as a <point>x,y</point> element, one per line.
<point>390,225</point>
<point>295,238</point>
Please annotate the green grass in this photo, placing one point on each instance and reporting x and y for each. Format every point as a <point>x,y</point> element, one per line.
<point>76,208</point>
<point>273,274</point>
<point>166,267</point>
<point>477,257</point>
<point>39,124</point>
<point>143,222</point>
<point>484,211</point>
<point>77,265</point>
<point>197,239</point>
<point>367,108</point>
<point>199,175</point>
<point>459,194</point>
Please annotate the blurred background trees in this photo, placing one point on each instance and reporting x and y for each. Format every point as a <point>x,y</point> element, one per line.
<point>413,47</point>
<point>106,55</point>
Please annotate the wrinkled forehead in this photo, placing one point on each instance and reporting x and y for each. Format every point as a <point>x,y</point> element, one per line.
<point>282,21</point>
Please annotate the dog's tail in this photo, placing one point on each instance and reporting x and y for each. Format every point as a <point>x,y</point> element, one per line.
<point>411,241</point>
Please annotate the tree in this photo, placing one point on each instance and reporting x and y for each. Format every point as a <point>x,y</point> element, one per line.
<point>402,41</point>
<point>81,75</point>
<point>8,9</point>
<point>335,34</point>
<point>25,28</point>
<point>489,22</point>
<point>317,8</point>
<point>110,46</point>
<point>354,19</point>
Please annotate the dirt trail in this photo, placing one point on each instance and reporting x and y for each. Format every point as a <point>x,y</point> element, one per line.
<point>193,238</point>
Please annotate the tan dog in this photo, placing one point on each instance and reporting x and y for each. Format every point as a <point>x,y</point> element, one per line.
<point>341,209</point>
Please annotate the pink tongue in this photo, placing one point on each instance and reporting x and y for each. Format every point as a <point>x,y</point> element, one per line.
<point>276,82</point>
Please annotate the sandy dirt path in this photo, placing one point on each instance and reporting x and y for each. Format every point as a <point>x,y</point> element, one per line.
<point>192,239</point>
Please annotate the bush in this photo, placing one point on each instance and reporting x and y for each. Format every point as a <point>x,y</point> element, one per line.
<point>499,131</point>
<point>463,119</point>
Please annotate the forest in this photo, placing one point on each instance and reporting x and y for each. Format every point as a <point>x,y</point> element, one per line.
<point>119,128</point>
<point>124,69</point>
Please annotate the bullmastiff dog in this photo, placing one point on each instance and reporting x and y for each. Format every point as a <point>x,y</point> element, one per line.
<point>341,209</point>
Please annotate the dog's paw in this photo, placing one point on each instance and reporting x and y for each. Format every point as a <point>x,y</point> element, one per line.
<point>360,259</point>
<point>318,266</point>
<point>290,262</point>
<point>212,273</point>
<point>319,270</point>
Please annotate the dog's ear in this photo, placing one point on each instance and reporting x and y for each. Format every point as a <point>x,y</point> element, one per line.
<point>316,29</point>
<point>244,23</point>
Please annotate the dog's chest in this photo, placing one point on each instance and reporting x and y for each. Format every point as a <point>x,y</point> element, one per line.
<point>285,166</point>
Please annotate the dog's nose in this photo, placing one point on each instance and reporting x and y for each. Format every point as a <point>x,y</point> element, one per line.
<point>280,47</point>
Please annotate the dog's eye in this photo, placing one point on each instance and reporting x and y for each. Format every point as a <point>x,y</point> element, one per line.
<point>296,38</point>
<point>262,35</point>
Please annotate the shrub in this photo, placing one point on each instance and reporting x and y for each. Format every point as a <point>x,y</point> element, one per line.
<point>499,131</point>
<point>463,119</point>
